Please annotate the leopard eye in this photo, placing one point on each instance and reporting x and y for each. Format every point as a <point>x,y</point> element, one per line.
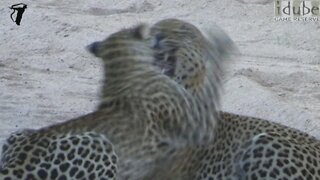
<point>158,41</point>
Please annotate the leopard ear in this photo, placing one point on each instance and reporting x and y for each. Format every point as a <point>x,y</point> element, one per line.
<point>93,48</point>
<point>142,31</point>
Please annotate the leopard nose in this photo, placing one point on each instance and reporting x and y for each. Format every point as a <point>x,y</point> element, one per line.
<point>93,47</point>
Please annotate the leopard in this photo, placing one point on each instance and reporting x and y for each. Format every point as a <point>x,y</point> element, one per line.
<point>137,126</point>
<point>244,147</point>
<point>27,154</point>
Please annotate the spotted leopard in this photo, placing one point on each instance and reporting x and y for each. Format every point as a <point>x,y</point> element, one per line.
<point>139,119</point>
<point>243,147</point>
<point>29,155</point>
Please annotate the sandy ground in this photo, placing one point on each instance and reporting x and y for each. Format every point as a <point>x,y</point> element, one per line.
<point>46,76</point>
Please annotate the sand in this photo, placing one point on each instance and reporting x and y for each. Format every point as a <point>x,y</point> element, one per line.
<point>46,76</point>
